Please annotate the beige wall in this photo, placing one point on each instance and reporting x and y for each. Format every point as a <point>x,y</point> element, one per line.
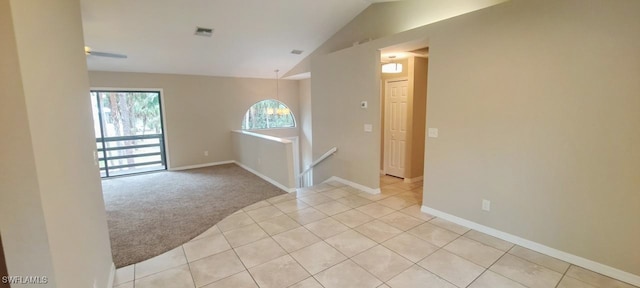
<point>50,165</point>
<point>384,19</point>
<point>306,137</point>
<point>537,107</point>
<point>200,111</point>
<point>269,157</point>
<point>417,125</point>
<point>340,82</point>
<point>24,233</point>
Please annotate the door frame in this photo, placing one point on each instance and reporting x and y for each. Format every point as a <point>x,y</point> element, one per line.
<point>385,120</point>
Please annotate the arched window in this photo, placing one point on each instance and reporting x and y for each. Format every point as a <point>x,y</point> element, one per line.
<point>268,114</point>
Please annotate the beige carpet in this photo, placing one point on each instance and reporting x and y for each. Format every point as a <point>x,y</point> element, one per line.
<point>150,214</point>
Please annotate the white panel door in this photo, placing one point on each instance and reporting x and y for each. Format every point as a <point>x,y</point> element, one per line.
<point>395,127</point>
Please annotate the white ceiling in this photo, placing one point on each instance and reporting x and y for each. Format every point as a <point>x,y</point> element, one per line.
<point>251,38</point>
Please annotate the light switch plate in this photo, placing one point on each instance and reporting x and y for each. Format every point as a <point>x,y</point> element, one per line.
<point>368,128</point>
<point>96,159</point>
<point>433,133</point>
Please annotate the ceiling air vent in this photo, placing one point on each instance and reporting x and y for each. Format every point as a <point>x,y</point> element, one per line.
<point>205,32</point>
<point>296,51</point>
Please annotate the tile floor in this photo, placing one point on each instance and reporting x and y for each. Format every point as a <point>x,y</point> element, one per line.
<point>333,235</point>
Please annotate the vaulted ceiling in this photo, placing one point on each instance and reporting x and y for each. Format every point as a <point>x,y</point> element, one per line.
<point>251,38</point>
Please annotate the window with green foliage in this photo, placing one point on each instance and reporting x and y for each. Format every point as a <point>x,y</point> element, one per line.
<point>268,114</point>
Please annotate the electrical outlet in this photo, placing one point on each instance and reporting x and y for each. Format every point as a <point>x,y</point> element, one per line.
<point>486,205</point>
<point>206,153</point>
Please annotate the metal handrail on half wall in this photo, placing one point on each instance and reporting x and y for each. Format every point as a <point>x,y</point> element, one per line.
<point>322,158</point>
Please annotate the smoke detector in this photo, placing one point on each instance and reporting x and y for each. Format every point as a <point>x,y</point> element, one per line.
<point>204,32</point>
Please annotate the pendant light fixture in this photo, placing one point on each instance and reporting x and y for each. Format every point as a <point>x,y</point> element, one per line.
<point>392,67</point>
<point>278,111</point>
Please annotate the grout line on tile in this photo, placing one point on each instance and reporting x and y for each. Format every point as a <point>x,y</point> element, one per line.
<point>188,266</point>
<point>238,256</point>
<point>545,267</point>
<point>289,254</point>
<point>486,268</point>
<point>154,273</point>
<point>442,248</point>
<point>380,244</point>
<point>445,280</point>
<point>325,242</point>
<point>564,275</point>
<point>134,275</point>
<point>515,279</point>
<point>474,280</point>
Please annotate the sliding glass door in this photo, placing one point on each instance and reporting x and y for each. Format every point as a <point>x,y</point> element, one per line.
<point>129,132</point>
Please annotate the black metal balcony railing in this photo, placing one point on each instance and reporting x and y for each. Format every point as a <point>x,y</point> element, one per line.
<point>134,144</point>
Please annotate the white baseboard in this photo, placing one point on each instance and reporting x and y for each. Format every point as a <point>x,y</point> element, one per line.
<point>112,275</point>
<point>413,180</point>
<point>265,178</point>
<point>564,256</point>
<point>241,165</point>
<point>354,185</point>
<point>201,165</point>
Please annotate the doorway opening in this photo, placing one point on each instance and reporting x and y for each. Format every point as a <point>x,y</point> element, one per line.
<point>403,113</point>
<point>129,132</point>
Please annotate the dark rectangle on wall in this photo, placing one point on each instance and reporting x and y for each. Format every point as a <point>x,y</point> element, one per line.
<point>3,267</point>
